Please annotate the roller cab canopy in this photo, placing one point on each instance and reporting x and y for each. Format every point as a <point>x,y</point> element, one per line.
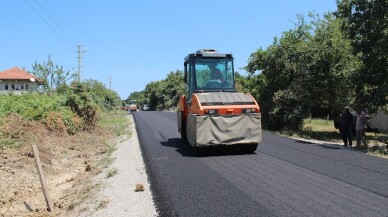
<point>198,72</point>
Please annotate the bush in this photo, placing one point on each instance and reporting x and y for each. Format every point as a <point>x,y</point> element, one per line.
<point>50,110</point>
<point>63,121</point>
<point>82,103</point>
<point>72,109</point>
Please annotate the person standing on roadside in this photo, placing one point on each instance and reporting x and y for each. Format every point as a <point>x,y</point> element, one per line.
<point>345,127</point>
<point>362,118</point>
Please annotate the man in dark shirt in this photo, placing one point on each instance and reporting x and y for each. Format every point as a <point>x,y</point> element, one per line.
<point>345,127</point>
<point>216,73</point>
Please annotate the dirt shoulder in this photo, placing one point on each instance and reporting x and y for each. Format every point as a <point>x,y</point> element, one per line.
<point>88,174</point>
<point>127,192</point>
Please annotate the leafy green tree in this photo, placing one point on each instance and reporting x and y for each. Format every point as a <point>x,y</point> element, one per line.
<point>172,88</point>
<point>53,76</point>
<point>151,92</point>
<point>366,25</point>
<point>138,96</point>
<point>251,84</point>
<point>331,65</point>
<point>307,70</point>
<point>282,64</point>
<point>103,96</point>
<point>163,94</point>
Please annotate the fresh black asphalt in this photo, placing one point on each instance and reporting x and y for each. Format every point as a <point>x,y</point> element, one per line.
<point>284,177</point>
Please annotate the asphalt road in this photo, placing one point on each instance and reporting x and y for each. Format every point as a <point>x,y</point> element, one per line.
<point>284,177</point>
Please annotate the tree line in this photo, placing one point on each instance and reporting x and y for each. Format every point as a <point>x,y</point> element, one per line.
<point>163,94</point>
<point>324,64</point>
<point>312,70</point>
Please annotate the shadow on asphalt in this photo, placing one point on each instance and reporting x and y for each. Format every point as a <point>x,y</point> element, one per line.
<point>186,150</point>
<point>329,146</point>
<point>303,141</point>
<point>326,146</point>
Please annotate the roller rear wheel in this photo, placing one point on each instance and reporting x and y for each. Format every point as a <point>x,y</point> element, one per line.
<point>251,148</point>
<point>183,132</point>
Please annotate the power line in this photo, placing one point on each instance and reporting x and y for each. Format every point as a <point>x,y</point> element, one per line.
<point>53,21</point>
<point>50,26</point>
<point>63,33</point>
<point>61,21</point>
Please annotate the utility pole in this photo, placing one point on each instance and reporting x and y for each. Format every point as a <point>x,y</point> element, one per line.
<point>110,83</point>
<point>79,60</point>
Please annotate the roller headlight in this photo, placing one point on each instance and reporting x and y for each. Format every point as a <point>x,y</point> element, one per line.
<point>211,111</point>
<point>248,110</point>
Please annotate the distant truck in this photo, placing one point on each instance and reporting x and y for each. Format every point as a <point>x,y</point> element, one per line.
<point>132,107</point>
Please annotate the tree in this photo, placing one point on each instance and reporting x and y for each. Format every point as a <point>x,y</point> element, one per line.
<point>103,96</point>
<point>172,88</point>
<point>304,72</point>
<point>163,94</point>
<point>282,64</point>
<point>251,84</point>
<point>53,76</point>
<point>138,96</point>
<point>151,92</point>
<point>332,64</point>
<point>366,25</point>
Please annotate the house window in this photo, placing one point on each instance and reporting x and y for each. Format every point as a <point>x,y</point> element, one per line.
<point>26,87</point>
<point>6,87</point>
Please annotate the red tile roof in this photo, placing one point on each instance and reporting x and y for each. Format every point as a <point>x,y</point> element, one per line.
<point>16,74</point>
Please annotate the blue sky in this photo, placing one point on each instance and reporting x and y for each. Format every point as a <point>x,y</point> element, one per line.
<point>137,42</point>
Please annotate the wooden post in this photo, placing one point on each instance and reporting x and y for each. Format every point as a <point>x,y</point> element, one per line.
<point>42,179</point>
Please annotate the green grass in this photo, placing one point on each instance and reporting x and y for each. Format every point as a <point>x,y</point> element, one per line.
<point>9,143</point>
<point>318,129</point>
<point>320,125</point>
<point>111,173</point>
<point>116,121</point>
<point>324,130</point>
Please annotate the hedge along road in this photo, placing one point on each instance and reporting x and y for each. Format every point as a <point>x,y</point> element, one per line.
<point>284,177</point>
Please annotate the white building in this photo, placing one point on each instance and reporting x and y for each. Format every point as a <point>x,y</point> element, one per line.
<point>17,81</point>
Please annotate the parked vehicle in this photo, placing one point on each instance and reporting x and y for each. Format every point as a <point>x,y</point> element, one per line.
<point>145,107</point>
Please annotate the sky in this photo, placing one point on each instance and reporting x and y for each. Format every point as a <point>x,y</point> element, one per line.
<point>127,44</point>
